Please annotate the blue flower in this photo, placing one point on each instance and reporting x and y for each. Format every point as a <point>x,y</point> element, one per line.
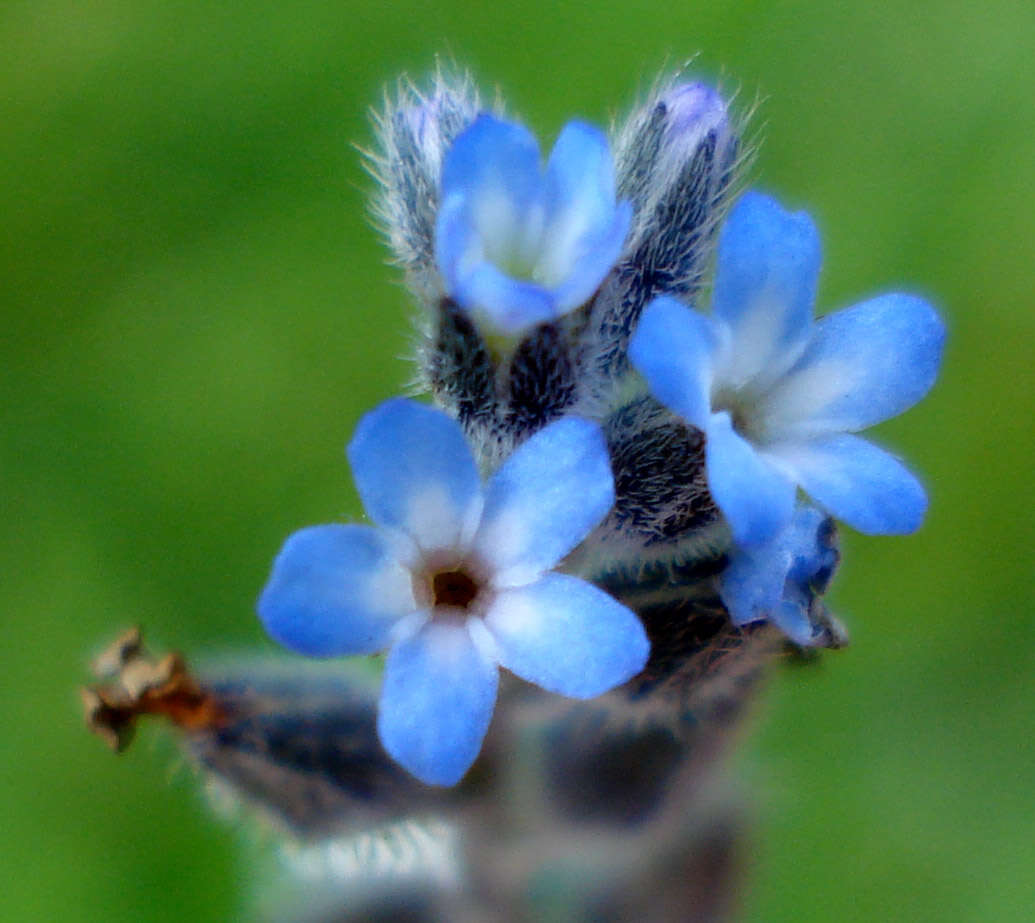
<point>777,394</point>
<point>517,246</point>
<point>778,580</point>
<point>454,580</point>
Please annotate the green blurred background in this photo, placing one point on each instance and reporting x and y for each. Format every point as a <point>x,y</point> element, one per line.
<point>196,311</point>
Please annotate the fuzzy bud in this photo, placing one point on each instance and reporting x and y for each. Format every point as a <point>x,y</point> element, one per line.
<point>675,162</point>
<point>414,131</point>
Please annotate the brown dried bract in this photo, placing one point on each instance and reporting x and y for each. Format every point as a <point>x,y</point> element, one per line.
<point>142,685</point>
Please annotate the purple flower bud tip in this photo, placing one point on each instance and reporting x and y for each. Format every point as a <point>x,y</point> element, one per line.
<point>693,107</point>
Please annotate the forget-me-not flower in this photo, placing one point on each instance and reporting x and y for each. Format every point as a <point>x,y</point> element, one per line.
<point>777,394</point>
<point>517,245</point>
<point>455,580</point>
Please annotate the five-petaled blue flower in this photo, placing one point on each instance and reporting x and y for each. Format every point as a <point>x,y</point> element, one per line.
<point>454,580</point>
<point>778,395</point>
<point>517,246</point>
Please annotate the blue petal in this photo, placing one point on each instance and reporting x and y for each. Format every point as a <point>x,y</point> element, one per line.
<point>544,500</point>
<point>415,473</point>
<point>335,590</point>
<point>509,305</point>
<point>756,498</point>
<point>580,183</point>
<point>859,483</point>
<point>568,636</point>
<point>793,620</point>
<point>438,696</point>
<point>751,586</point>
<point>458,248</point>
<point>863,365</point>
<point>491,203</point>
<point>492,155</point>
<point>774,581</point>
<point>765,286</point>
<point>672,347</point>
<point>592,259</point>
<point>584,230</point>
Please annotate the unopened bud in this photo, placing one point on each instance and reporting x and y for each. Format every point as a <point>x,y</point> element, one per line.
<point>675,161</point>
<point>414,130</point>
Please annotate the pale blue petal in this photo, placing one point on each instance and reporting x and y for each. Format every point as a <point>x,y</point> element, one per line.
<point>774,581</point>
<point>415,473</point>
<point>584,230</point>
<point>592,260</point>
<point>580,184</point>
<point>544,500</point>
<point>335,590</point>
<point>858,483</point>
<point>793,620</point>
<point>438,695</point>
<point>672,347</point>
<point>492,156</point>
<point>568,636</point>
<point>863,365</point>
<point>765,286</point>
<point>510,305</point>
<point>491,187</point>
<point>458,247</point>
<point>751,586</point>
<point>756,498</point>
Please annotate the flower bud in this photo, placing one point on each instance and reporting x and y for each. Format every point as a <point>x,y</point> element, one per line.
<point>675,159</point>
<point>414,130</point>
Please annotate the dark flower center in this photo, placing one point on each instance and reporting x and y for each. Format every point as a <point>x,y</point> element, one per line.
<point>453,588</point>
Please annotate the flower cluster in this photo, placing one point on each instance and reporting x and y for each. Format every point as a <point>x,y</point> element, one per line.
<point>641,457</point>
